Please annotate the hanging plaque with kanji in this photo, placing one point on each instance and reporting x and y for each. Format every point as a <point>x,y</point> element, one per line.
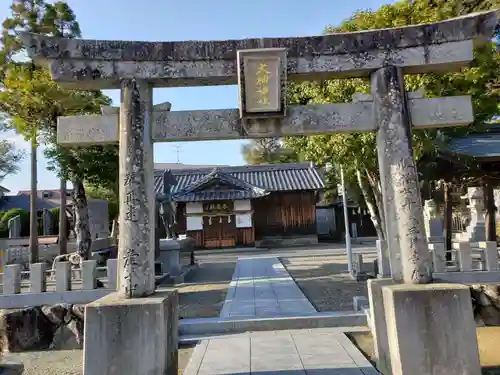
<point>262,82</point>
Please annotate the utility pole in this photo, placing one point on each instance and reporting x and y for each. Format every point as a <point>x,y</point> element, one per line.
<point>178,151</point>
<point>33,198</point>
<point>346,222</point>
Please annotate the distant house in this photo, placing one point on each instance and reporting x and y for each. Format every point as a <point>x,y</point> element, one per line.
<point>3,191</point>
<point>50,198</point>
<point>330,219</point>
<point>261,205</point>
<point>9,202</point>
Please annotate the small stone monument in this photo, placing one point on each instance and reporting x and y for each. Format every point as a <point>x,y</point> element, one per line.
<point>476,230</point>
<point>14,225</point>
<point>48,221</point>
<point>433,223</point>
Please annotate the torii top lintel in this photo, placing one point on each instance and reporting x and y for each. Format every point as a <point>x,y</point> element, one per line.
<point>100,64</point>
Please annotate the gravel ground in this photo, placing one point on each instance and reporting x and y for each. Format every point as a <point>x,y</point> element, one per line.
<point>204,291</point>
<point>325,282</point>
<point>69,362</point>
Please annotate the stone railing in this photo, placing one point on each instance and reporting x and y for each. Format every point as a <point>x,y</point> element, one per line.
<point>42,286</point>
<point>467,262</point>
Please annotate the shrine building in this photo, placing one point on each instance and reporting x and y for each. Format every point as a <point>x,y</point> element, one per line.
<point>253,205</point>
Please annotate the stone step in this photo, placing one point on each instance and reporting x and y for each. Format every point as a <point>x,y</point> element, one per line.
<point>195,339</point>
<point>211,326</point>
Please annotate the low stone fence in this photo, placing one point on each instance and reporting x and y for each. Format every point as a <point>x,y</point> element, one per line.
<point>40,286</point>
<point>466,263</point>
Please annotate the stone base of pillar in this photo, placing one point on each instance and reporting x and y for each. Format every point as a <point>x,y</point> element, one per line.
<point>431,329</point>
<point>132,336</point>
<point>378,326</point>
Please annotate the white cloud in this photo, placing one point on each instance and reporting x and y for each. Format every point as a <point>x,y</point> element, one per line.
<point>17,139</point>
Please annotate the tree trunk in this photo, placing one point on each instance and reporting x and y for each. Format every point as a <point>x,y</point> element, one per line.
<point>63,220</point>
<point>370,204</point>
<point>34,257</point>
<point>376,189</point>
<point>448,217</point>
<point>490,221</point>
<point>81,225</point>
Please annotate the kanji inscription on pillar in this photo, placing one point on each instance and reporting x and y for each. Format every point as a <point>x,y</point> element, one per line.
<point>262,82</point>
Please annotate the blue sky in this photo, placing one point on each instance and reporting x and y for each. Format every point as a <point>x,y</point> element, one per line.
<point>164,20</point>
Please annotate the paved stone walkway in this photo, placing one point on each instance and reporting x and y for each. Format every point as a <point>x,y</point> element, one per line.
<point>325,351</point>
<point>261,287</point>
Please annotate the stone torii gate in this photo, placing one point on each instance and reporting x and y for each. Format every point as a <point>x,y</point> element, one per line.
<point>261,68</point>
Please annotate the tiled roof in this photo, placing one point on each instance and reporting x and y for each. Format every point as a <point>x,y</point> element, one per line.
<point>478,145</point>
<point>271,177</point>
<point>9,202</point>
<point>229,188</point>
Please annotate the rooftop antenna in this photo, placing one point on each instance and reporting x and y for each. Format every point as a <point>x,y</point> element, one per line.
<point>178,151</point>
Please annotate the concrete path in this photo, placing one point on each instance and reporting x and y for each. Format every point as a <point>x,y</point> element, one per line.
<point>324,351</point>
<point>261,287</point>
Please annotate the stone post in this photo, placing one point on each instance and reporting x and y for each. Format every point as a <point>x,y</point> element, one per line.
<point>136,277</point>
<point>399,178</point>
<point>63,221</point>
<point>14,225</point>
<point>433,223</point>
<point>384,270</point>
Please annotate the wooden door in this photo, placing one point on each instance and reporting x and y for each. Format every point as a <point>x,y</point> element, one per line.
<point>219,231</point>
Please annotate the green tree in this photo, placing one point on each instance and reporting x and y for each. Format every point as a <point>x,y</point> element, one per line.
<point>32,103</point>
<point>268,151</point>
<point>357,152</point>
<point>39,17</point>
<point>10,157</point>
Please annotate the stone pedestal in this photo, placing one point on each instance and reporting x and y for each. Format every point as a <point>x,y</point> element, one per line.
<point>431,330</point>
<point>132,336</point>
<point>170,254</point>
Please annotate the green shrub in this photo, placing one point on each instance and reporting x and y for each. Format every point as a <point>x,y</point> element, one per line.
<point>12,213</point>
<point>4,231</point>
<point>25,220</point>
<point>55,212</point>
